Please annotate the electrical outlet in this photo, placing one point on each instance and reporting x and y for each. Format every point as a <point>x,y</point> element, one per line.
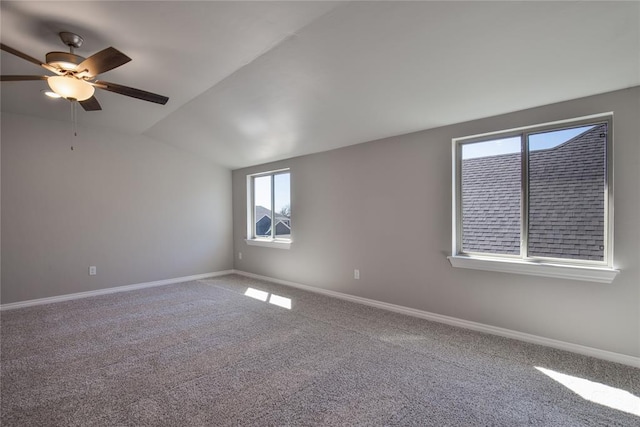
<point>239,255</point>
<point>92,270</point>
<point>356,274</point>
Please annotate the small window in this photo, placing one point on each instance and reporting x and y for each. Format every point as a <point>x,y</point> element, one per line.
<point>539,195</point>
<point>269,208</point>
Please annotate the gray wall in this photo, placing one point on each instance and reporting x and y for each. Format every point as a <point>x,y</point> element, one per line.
<point>384,207</point>
<point>135,208</point>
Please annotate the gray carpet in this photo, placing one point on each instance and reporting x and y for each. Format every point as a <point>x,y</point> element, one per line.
<point>204,354</point>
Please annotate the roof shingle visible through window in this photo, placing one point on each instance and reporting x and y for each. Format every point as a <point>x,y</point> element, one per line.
<point>566,200</point>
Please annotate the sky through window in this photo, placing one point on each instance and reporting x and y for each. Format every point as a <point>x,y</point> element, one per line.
<point>538,141</point>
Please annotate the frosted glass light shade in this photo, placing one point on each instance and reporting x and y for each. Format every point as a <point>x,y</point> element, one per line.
<point>71,88</point>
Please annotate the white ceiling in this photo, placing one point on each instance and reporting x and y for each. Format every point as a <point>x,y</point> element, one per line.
<point>251,82</point>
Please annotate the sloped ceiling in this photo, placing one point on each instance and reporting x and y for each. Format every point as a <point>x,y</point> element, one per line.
<point>252,82</point>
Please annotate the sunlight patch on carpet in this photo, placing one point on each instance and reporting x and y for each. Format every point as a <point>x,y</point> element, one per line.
<point>280,301</point>
<point>274,299</point>
<point>596,392</point>
<point>257,294</point>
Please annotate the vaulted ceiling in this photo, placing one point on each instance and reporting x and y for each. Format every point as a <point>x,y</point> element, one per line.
<point>251,82</point>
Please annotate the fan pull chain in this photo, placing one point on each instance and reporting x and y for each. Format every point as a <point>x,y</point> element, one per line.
<point>74,120</point>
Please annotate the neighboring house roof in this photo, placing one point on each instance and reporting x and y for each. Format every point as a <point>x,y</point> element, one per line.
<point>263,226</point>
<point>262,211</point>
<point>263,222</point>
<point>282,228</point>
<point>566,195</point>
<point>491,204</point>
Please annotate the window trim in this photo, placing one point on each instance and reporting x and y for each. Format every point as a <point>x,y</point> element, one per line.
<point>252,239</point>
<point>518,266</point>
<point>600,271</point>
<point>277,244</point>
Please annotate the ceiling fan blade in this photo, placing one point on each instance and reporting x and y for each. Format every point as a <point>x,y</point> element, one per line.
<point>28,58</point>
<point>129,91</point>
<point>21,78</point>
<point>103,61</point>
<point>19,54</point>
<point>90,104</point>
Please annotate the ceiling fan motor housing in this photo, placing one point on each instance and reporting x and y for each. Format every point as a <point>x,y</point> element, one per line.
<point>64,60</point>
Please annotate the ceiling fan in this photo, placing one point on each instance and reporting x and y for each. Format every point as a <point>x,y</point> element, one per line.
<point>75,77</point>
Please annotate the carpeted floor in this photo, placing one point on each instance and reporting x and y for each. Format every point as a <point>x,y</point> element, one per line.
<point>205,354</point>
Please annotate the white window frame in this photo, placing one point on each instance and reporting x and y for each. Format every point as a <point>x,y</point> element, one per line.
<point>252,239</point>
<point>595,271</point>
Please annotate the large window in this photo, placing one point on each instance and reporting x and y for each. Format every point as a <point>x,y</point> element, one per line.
<point>537,196</point>
<point>269,208</point>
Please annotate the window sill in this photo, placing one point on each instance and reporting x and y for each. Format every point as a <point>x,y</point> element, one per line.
<point>267,243</point>
<point>559,271</point>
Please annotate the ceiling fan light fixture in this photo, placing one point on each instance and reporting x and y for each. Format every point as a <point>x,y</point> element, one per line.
<point>70,87</point>
<point>64,60</point>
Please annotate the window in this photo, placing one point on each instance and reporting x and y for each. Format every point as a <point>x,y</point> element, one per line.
<point>536,200</point>
<point>269,209</point>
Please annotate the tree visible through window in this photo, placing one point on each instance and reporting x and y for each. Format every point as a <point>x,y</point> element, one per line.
<point>540,193</point>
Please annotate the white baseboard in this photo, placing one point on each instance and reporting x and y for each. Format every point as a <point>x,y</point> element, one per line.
<point>480,327</point>
<point>106,291</point>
